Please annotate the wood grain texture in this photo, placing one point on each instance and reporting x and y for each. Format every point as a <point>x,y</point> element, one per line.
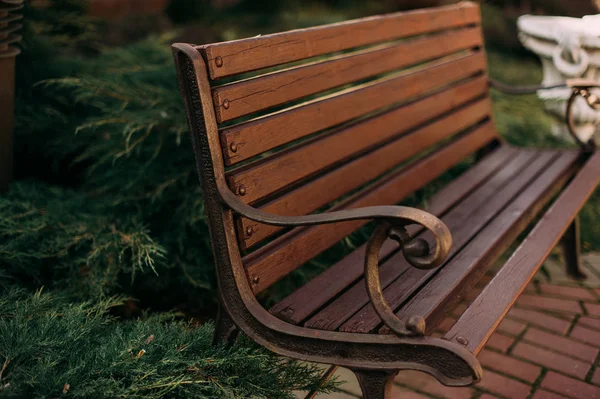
<point>449,285</point>
<point>251,95</point>
<point>470,220</point>
<point>480,319</point>
<point>313,194</point>
<point>354,313</point>
<point>264,51</point>
<point>269,175</point>
<point>299,305</point>
<point>265,133</point>
<point>362,170</point>
<point>289,251</point>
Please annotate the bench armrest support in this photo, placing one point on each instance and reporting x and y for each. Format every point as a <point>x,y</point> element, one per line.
<point>580,87</point>
<point>392,220</point>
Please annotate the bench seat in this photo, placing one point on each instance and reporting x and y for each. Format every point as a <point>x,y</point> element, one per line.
<point>303,137</point>
<point>486,208</point>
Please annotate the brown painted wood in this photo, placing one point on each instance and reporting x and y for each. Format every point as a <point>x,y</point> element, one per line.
<point>452,282</point>
<point>267,132</point>
<point>401,290</point>
<point>285,254</point>
<point>233,57</point>
<point>270,175</point>
<point>251,95</point>
<point>343,308</point>
<point>316,193</point>
<point>296,307</point>
<point>479,321</point>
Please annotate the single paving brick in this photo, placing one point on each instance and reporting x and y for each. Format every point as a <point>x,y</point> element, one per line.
<point>485,396</point>
<point>503,386</point>
<point>562,345</point>
<point>578,293</point>
<point>426,383</point>
<point>590,322</point>
<point>596,376</point>
<point>570,387</point>
<point>552,360</point>
<point>399,392</point>
<point>511,327</point>
<point>593,309</point>
<point>543,394</point>
<point>540,319</point>
<point>500,342</point>
<point>546,303</point>
<point>509,365</point>
<point>587,335</point>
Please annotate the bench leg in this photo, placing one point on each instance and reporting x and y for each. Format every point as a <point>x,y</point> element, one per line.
<point>571,247</point>
<point>225,330</point>
<point>376,384</point>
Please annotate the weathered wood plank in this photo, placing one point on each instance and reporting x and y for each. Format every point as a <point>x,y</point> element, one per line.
<point>247,139</point>
<point>308,160</point>
<point>469,224</point>
<point>341,311</point>
<point>268,264</point>
<point>233,57</point>
<point>480,319</point>
<point>251,95</point>
<point>299,305</point>
<point>451,283</point>
<point>269,175</point>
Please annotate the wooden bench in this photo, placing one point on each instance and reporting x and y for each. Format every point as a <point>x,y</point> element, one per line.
<point>303,137</point>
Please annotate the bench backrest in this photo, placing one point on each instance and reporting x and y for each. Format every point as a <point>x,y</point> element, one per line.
<point>352,114</point>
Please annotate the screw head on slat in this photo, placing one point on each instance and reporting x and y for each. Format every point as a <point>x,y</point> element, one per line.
<point>255,280</point>
<point>249,231</point>
<point>233,147</point>
<point>462,340</point>
<point>242,190</point>
<point>219,62</point>
<point>226,104</point>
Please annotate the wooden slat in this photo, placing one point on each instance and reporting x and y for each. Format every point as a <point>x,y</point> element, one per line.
<point>451,283</point>
<point>262,134</point>
<point>266,176</point>
<point>325,189</point>
<point>480,319</point>
<point>362,170</point>
<point>284,255</point>
<point>254,94</point>
<point>303,302</point>
<point>469,224</point>
<point>343,308</point>
<point>229,58</point>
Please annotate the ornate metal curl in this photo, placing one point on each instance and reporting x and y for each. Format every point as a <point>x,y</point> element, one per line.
<point>581,88</point>
<point>417,253</point>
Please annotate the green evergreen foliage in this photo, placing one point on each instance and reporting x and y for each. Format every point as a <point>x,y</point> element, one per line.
<point>50,347</point>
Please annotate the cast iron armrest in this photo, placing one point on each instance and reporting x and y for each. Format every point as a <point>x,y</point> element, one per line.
<point>580,87</point>
<point>391,223</point>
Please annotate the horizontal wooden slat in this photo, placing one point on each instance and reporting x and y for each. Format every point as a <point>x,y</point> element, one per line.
<point>268,264</point>
<point>361,170</point>
<point>449,285</point>
<point>394,269</point>
<point>525,206</point>
<point>480,319</point>
<point>266,176</point>
<point>229,58</point>
<point>251,95</point>
<point>262,134</point>
<point>307,299</point>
